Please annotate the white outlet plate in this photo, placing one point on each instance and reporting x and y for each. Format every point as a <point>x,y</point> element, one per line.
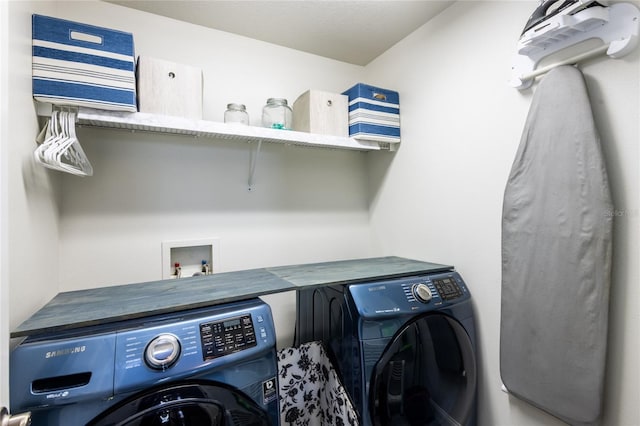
<point>189,253</point>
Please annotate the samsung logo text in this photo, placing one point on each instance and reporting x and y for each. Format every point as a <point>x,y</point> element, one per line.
<point>65,351</point>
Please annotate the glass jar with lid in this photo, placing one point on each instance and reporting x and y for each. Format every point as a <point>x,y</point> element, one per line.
<point>236,113</point>
<point>277,114</point>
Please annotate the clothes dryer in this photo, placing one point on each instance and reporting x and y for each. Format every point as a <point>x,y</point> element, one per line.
<point>404,348</point>
<point>208,366</point>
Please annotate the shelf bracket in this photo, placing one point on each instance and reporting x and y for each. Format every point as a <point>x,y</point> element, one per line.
<point>253,161</point>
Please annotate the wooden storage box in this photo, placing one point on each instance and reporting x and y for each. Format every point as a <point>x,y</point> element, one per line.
<point>321,112</point>
<point>167,88</point>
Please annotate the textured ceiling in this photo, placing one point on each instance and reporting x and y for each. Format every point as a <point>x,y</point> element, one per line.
<point>350,31</point>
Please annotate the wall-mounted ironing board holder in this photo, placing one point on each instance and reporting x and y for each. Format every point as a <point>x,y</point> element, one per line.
<point>617,26</point>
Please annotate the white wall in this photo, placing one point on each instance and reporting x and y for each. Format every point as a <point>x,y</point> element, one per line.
<point>308,205</point>
<point>67,233</point>
<point>4,278</point>
<point>32,190</point>
<point>440,197</point>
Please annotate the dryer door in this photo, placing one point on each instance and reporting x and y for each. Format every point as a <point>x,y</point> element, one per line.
<point>185,403</point>
<point>425,376</point>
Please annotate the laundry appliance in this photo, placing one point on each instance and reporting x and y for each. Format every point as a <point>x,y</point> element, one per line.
<point>404,347</point>
<point>208,366</point>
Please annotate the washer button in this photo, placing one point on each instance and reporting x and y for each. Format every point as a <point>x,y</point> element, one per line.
<point>162,352</point>
<point>422,293</point>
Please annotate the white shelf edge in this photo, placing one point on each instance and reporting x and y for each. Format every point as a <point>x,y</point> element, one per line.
<point>138,121</point>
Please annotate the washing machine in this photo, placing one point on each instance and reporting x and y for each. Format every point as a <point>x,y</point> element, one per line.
<point>207,366</point>
<point>404,348</point>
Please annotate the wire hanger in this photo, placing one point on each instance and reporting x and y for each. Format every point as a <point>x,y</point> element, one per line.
<point>59,147</point>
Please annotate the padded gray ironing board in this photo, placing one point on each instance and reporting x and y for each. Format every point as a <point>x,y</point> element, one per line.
<point>556,256</point>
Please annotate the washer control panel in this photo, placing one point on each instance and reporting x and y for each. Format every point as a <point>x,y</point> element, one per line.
<point>228,336</point>
<point>188,343</point>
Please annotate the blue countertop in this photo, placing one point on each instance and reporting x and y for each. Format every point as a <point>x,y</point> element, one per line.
<point>75,309</point>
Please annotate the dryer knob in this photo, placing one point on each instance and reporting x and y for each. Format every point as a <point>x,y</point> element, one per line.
<point>162,352</point>
<point>422,293</point>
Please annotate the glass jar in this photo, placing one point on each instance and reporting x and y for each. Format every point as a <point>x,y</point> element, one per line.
<point>236,113</point>
<point>277,114</point>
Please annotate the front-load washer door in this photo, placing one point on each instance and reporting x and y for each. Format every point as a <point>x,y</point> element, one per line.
<point>185,404</point>
<point>425,376</point>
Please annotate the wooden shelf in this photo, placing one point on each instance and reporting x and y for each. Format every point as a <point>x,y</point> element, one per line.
<point>83,308</point>
<point>138,121</point>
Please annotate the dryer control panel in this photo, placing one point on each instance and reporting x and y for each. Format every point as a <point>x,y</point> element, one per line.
<point>447,287</point>
<point>408,295</point>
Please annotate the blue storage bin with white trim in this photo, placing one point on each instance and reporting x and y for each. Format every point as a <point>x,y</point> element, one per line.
<point>374,113</point>
<point>83,65</point>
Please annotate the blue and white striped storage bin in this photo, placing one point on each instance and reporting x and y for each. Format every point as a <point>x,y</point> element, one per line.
<point>83,65</point>
<point>374,113</point>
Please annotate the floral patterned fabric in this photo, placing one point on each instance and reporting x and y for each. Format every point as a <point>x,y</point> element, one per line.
<point>311,393</point>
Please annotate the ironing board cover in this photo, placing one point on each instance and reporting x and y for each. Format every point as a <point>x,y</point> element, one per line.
<point>311,393</point>
<point>556,256</point>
